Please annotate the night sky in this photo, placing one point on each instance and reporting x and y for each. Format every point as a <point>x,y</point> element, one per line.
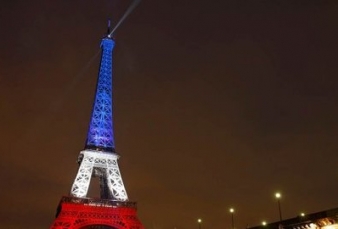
<point>217,104</point>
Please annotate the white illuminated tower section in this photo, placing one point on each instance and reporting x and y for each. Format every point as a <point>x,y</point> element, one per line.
<point>99,158</point>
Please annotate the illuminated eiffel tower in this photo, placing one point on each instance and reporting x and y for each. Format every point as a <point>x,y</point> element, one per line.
<point>99,159</point>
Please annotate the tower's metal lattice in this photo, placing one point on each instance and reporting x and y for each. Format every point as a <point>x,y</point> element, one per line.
<point>99,159</point>
<point>100,133</point>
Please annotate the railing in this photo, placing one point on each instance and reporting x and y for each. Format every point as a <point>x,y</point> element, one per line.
<point>97,202</point>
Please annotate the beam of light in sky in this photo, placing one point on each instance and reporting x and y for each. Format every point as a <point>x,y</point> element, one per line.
<point>58,102</point>
<point>125,15</point>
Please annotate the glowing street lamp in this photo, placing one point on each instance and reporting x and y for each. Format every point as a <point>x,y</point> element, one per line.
<point>231,210</point>
<point>278,197</point>
<point>199,221</point>
<point>264,223</point>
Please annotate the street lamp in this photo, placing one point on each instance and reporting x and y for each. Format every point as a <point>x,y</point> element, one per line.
<point>264,223</point>
<point>278,197</point>
<point>199,221</point>
<point>231,210</point>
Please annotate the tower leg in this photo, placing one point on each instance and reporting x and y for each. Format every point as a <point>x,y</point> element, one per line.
<point>83,177</point>
<point>115,182</point>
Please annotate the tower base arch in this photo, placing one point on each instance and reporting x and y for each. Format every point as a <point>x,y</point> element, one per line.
<point>88,213</point>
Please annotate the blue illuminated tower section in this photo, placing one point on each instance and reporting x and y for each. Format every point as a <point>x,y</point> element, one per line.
<point>101,134</point>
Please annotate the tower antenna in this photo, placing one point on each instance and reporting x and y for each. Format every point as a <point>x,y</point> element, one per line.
<point>108,29</point>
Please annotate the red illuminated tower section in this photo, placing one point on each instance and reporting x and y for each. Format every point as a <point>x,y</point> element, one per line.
<point>99,159</point>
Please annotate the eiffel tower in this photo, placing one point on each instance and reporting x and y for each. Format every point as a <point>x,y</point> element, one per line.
<point>99,159</point>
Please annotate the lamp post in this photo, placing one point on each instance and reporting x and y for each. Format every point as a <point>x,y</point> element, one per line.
<point>278,197</point>
<point>199,221</point>
<point>231,210</point>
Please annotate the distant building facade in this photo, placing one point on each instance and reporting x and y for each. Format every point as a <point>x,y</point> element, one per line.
<point>321,220</point>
